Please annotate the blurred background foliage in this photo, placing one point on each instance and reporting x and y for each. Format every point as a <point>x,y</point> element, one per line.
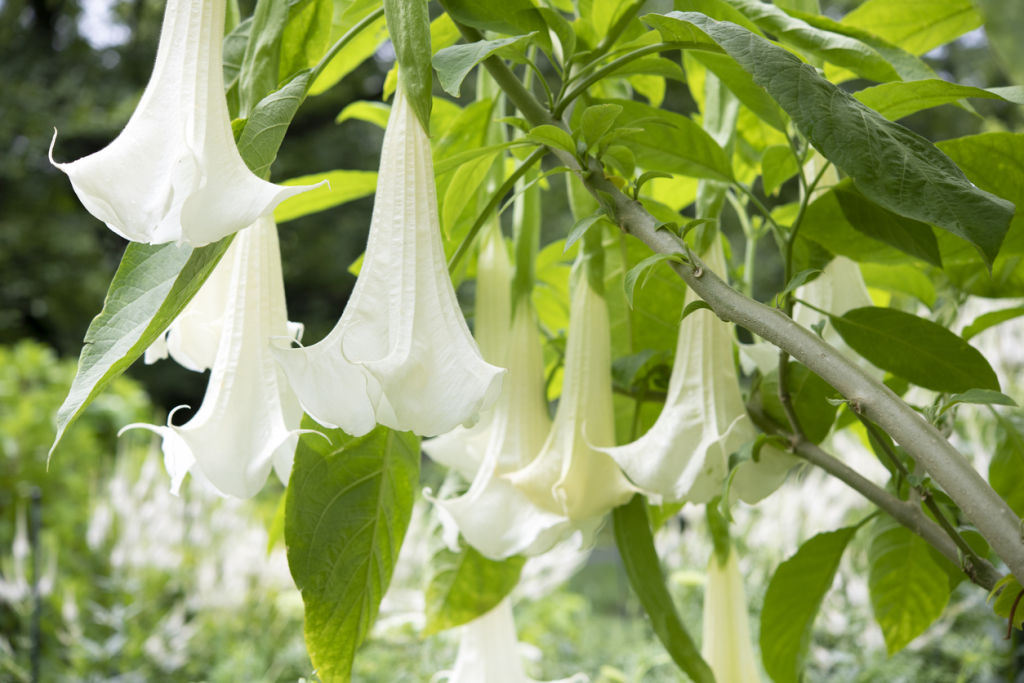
<point>108,577</point>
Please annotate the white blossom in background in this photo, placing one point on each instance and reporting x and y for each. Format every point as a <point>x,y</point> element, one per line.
<point>174,173</point>
<point>247,422</point>
<point>684,456</point>
<point>401,355</point>
<point>727,646</point>
<point>489,651</point>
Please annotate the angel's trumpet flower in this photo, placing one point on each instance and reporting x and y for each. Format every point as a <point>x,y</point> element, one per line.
<point>494,516</point>
<point>685,454</point>
<point>174,173</point>
<point>489,651</point>
<point>571,476</point>
<point>401,355</point>
<point>249,416</point>
<point>727,646</point>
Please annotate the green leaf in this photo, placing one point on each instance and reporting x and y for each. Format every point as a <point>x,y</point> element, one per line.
<point>672,143</point>
<point>307,35</point>
<point>348,507</point>
<point>376,113</point>
<point>634,273</point>
<point>810,397</point>
<point>234,51</point>
<point>149,290</point>
<point>908,589</point>
<point>1004,25</point>
<point>893,166</point>
<point>693,307</point>
<point>259,71</point>
<point>454,63</point>
<point>909,236</point>
<point>466,585</point>
<point>636,546</point>
<point>1006,471</point>
<point>359,49</point>
<point>836,48</point>
<point>991,319</point>
<point>1009,599</point>
<point>915,25</point>
<point>409,27</point>
<point>552,136</point>
<point>580,229</point>
<point>511,17</point>
<point>342,186</point>
<point>797,280</point>
<point>265,128</point>
<point>916,349</point>
<point>792,600</point>
<point>978,397</point>
<point>903,98</point>
<point>597,120</point>
<point>777,166</point>
<point>905,278</point>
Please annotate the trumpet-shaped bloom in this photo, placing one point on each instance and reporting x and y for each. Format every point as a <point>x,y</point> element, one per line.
<point>727,647</point>
<point>249,416</point>
<point>571,476</point>
<point>401,355</point>
<point>174,173</point>
<point>489,651</point>
<point>685,454</point>
<point>495,516</point>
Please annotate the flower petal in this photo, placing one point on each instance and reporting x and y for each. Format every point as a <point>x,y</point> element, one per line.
<point>174,173</point>
<point>727,645</point>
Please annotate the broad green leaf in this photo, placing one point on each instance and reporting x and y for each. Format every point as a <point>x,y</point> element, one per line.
<point>1009,600</point>
<point>342,186</point>
<point>636,547</point>
<point>792,600</point>
<point>149,290</point>
<point>915,25</point>
<point>908,589</point>
<point>307,35</point>
<point>991,319</point>
<point>358,50</point>
<point>777,166</point>
<point>259,71</point>
<point>511,17</point>
<point>234,51</point>
<point>552,136</point>
<point>349,504</point>
<point>579,229</point>
<point>1004,25</point>
<point>672,143</point>
<point>376,113</point>
<point>465,182</point>
<point>906,234</point>
<point>809,395</point>
<point>903,98</point>
<point>454,63</point>
<point>408,24</point>
<point>720,10</point>
<point>597,120</point>
<point>916,349</point>
<point>1006,470</point>
<point>893,166</point>
<point>978,397</point>
<point>634,273</point>
<point>265,128</point>
<point>825,224</point>
<point>836,48</point>
<point>466,585</point>
<point>903,278</point>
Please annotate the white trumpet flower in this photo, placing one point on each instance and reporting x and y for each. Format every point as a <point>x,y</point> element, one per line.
<point>174,173</point>
<point>489,651</point>
<point>248,421</point>
<point>494,516</point>
<point>685,454</point>
<point>571,476</point>
<point>727,646</point>
<point>401,355</point>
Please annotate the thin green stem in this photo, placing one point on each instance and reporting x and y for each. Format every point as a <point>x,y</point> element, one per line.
<point>492,204</point>
<point>343,41</point>
<point>971,559</point>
